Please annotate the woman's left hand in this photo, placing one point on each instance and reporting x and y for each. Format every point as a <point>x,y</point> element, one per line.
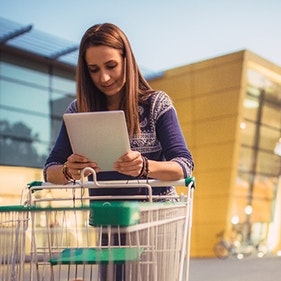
<point>129,164</point>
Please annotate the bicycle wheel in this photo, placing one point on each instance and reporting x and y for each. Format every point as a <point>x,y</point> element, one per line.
<point>221,251</point>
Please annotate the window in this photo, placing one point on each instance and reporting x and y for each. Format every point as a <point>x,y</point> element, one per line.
<point>32,101</point>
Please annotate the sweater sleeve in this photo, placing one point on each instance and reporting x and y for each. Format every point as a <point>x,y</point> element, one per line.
<point>172,139</point>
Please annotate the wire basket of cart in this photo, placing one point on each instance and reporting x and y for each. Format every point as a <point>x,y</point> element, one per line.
<point>13,225</point>
<point>78,237</point>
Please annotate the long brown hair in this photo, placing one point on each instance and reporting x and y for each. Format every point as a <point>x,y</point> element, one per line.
<point>137,89</point>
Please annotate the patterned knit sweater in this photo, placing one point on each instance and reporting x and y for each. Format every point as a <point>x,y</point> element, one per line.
<point>161,139</point>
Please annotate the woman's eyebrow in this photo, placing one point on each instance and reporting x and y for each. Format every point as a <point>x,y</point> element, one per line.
<point>109,61</point>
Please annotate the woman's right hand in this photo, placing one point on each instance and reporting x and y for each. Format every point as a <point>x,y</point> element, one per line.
<point>76,163</point>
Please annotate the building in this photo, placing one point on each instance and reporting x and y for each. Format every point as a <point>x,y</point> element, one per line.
<point>37,81</point>
<point>229,109</point>
<point>230,112</point>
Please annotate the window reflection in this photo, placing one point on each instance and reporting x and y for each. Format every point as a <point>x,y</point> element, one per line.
<point>251,105</point>
<point>259,168</point>
<point>266,165</point>
<point>246,159</point>
<point>24,71</point>
<point>248,133</point>
<point>32,100</point>
<point>268,137</point>
<point>24,97</point>
<point>63,82</point>
<point>271,115</point>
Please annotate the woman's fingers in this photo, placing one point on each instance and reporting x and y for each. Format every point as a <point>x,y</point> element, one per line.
<point>129,164</point>
<point>76,163</point>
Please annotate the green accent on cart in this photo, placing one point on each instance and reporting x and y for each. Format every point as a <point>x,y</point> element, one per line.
<point>190,180</point>
<point>97,255</point>
<point>13,208</point>
<point>121,213</point>
<point>35,183</point>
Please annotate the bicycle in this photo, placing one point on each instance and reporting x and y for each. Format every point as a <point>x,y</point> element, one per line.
<point>235,247</point>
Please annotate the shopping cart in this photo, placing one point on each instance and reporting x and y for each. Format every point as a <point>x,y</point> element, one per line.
<point>13,225</point>
<point>109,238</point>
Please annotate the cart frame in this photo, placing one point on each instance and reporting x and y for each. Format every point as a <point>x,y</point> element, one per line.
<point>134,230</point>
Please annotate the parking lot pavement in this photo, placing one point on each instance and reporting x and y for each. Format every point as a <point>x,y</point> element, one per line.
<point>212,269</point>
<point>231,269</point>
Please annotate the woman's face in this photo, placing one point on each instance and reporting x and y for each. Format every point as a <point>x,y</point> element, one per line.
<point>106,68</point>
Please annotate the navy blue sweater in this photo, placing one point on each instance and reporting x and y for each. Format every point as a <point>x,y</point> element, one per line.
<point>161,139</point>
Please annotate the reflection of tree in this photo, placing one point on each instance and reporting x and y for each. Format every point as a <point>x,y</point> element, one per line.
<point>17,145</point>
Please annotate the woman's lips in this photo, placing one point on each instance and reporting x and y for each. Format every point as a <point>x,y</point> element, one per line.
<point>108,87</point>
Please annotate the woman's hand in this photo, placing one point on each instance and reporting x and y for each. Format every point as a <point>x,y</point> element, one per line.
<point>129,164</point>
<point>76,163</point>
<point>133,164</point>
<point>70,170</point>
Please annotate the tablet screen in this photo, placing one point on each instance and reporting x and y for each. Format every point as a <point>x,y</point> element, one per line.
<point>100,136</point>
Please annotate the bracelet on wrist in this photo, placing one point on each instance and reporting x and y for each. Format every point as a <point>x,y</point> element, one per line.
<point>142,169</point>
<point>66,173</point>
<point>145,168</point>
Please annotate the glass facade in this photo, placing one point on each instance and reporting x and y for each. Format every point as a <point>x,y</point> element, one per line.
<point>259,167</point>
<point>33,97</point>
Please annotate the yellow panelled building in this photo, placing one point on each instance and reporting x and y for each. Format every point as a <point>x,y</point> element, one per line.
<point>230,112</point>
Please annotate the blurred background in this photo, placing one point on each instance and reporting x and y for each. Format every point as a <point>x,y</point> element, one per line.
<point>163,33</point>
<point>220,63</point>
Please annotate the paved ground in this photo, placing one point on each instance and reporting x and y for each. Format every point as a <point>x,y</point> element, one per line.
<point>247,269</point>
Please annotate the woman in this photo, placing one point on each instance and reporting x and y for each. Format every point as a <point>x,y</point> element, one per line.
<point>108,78</point>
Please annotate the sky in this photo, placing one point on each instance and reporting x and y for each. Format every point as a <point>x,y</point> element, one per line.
<point>164,34</point>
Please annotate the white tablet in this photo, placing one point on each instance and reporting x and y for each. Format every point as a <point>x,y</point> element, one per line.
<point>101,136</point>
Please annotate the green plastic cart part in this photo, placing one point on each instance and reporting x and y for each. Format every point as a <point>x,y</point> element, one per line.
<point>97,255</point>
<point>114,213</point>
<point>35,183</point>
<point>13,208</point>
<point>190,180</point>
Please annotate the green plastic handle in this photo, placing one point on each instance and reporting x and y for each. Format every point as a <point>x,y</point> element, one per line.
<point>190,180</point>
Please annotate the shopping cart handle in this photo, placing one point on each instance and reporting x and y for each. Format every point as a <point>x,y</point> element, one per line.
<point>190,182</point>
<point>34,183</point>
